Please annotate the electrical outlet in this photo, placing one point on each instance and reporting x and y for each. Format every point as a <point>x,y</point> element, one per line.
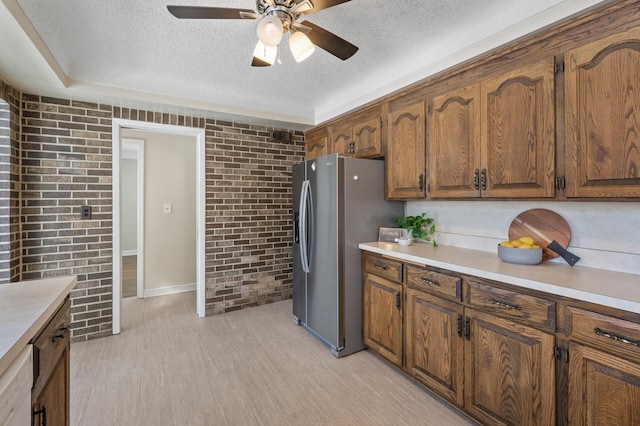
<point>167,208</point>
<point>85,212</point>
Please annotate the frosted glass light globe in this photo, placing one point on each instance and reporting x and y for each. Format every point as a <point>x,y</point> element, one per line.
<point>270,30</point>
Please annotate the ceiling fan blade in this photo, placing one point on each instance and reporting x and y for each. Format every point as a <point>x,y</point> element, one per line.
<point>202,12</point>
<point>323,4</point>
<point>257,62</point>
<point>252,15</point>
<point>330,42</point>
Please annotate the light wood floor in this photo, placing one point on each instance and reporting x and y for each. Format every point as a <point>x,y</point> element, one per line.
<point>249,367</point>
<point>129,276</point>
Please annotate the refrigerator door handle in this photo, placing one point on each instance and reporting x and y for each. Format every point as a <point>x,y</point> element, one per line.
<point>303,226</point>
<point>296,228</point>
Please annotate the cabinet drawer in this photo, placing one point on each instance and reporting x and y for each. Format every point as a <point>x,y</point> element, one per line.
<point>512,304</point>
<point>49,345</point>
<point>386,268</point>
<point>434,282</point>
<point>613,335</point>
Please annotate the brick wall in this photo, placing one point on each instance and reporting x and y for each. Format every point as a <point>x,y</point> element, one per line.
<point>64,161</point>
<point>248,216</point>
<point>5,185</point>
<point>10,227</point>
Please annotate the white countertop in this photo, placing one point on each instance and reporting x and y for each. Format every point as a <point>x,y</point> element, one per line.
<point>25,307</point>
<point>609,288</point>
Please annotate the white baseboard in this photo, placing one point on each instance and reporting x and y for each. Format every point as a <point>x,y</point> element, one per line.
<point>130,252</point>
<point>173,289</point>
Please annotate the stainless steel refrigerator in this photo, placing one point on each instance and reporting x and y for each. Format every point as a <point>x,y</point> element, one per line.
<point>337,203</point>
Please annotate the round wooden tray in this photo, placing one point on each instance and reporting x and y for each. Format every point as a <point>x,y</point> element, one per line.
<point>543,226</point>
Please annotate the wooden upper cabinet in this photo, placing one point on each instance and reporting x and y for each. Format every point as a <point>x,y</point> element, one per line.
<point>496,138</point>
<point>317,143</point>
<point>602,115</point>
<point>454,143</point>
<point>341,141</point>
<point>406,161</point>
<point>367,138</point>
<point>359,135</point>
<point>518,133</point>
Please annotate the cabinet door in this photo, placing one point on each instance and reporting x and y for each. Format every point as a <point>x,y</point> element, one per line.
<point>603,117</point>
<point>518,133</point>
<point>433,343</point>
<point>51,407</point>
<point>454,144</point>
<point>509,372</point>
<point>406,161</point>
<point>366,139</point>
<point>316,145</point>
<point>603,389</point>
<point>341,140</point>
<point>383,317</point>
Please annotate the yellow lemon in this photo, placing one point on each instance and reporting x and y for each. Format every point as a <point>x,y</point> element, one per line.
<point>515,243</point>
<point>506,244</point>
<point>526,240</point>
<point>535,246</point>
<point>524,246</point>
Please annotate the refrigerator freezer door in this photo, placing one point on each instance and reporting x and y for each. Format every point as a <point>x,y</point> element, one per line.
<point>324,284</point>
<point>299,276</point>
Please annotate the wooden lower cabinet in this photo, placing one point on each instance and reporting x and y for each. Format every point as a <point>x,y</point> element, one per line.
<point>383,317</point>
<point>51,406</point>
<point>604,368</point>
<point>434,348</point>
<point>50,392</point>
<point>497,352</point>
<point>603,389</point>
<point>509,372</point>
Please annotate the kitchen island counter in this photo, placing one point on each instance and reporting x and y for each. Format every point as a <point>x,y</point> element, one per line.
<point>609,288</point>
<point>26,307</point>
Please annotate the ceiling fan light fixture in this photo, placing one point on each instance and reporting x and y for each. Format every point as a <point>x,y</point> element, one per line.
<point>300,45</point>
<point>270,30</point>
<point>266,54</point>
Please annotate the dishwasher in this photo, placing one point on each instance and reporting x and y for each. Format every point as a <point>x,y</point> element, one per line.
<point>15,390</point>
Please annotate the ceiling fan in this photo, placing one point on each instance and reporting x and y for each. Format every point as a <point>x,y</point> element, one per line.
<point>278,17</point>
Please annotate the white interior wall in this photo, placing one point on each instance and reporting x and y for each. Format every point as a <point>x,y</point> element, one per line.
<point>605,235</point>
<point>129,206</point>
<point>170,238</point>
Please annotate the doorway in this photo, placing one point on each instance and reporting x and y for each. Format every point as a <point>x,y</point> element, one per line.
<point>132,217</point>
<point>119,125</point>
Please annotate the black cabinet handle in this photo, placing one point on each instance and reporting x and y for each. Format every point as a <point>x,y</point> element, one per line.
<point>467,328</point>
<point>429,282</point>
<point>61,332</point>
<point>421,182</point>
<point>398,300</point>
<point>617,337</point>
<point>476,179</point>
<point>37,413</point>
<point>381,266</point>
<point>483,179</point>
<point>506,305</point>
<point>459,325</point>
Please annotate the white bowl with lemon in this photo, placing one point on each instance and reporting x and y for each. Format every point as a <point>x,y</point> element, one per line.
<point>524,251</point>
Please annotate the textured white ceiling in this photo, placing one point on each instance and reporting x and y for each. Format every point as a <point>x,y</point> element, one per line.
<point>133,52</point>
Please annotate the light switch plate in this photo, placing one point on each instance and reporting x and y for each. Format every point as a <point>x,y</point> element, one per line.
<point>167,208</point>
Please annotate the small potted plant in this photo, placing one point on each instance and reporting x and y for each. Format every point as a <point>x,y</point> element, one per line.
<point>419,227</point>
